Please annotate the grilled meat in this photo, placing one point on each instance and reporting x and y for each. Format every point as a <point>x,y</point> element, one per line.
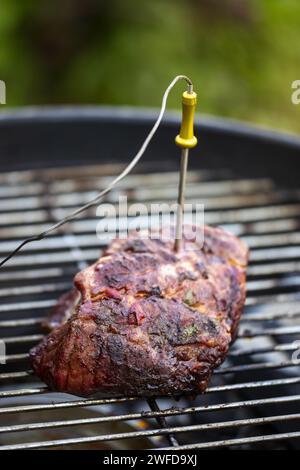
<point>146,321</point>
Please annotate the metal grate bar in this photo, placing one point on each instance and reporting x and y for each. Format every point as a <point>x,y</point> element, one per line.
<point>37,289</point>
<point>247,317</point>
<point>16,358</point>
<point>216,389</point>
<point>155,414</point>
<point>284,330</point>
<point>220,388</point>
<point>22,339</point>
<point>213,215</point>
<point>288,311</point>
<point>73,200</point>
<point>258,366</point>
<point>242,441</point>
<point>277,348</point>
<point>157,432</point>
<point>89,255</point>
<point>291,237</point>
<point>39,274</point>
<point>23,392</point>
<point>282,224</point>
<point>15,375</point>
<point>23,322</point>
<point>64,405</point>
<point>37,304</point>
<point>162,186</point>
<point>74,178</point>
<point>286,314</point>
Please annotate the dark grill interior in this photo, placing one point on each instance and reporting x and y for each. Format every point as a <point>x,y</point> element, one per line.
<point>253,398</point>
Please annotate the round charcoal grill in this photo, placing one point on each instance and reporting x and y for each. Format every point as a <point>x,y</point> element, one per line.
<point>53,161</point>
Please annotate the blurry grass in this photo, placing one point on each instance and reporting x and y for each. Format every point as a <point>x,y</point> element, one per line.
<point>242,54</point>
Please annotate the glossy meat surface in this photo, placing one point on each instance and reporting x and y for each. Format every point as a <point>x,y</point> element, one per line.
<point>146,321</point>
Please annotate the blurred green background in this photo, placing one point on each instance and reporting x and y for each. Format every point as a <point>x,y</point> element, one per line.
<point>243,55</point>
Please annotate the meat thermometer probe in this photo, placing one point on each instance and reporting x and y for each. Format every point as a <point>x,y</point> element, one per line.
<point>186,140</point>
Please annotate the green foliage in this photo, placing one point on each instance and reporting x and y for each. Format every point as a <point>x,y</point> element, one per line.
<point>242,54</point>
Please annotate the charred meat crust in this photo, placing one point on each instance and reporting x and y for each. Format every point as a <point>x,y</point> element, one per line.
<point>145,321</point>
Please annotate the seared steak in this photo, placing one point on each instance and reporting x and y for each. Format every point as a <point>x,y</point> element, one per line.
<point>146,321</point>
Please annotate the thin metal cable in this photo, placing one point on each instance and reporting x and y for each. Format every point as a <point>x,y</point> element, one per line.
<point>122,175</point>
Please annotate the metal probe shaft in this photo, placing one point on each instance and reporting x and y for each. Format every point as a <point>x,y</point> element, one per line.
<point>185,140</point>
<point>181,193</point>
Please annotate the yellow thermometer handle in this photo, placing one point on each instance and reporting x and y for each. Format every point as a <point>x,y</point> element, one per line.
<point>186,138</point>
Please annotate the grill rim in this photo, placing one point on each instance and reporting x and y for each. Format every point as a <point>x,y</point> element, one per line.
<point>61,114</point>
<point>34,135</point>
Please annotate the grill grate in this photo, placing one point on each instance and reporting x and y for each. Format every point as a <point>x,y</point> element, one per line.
<point>253,398</point>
